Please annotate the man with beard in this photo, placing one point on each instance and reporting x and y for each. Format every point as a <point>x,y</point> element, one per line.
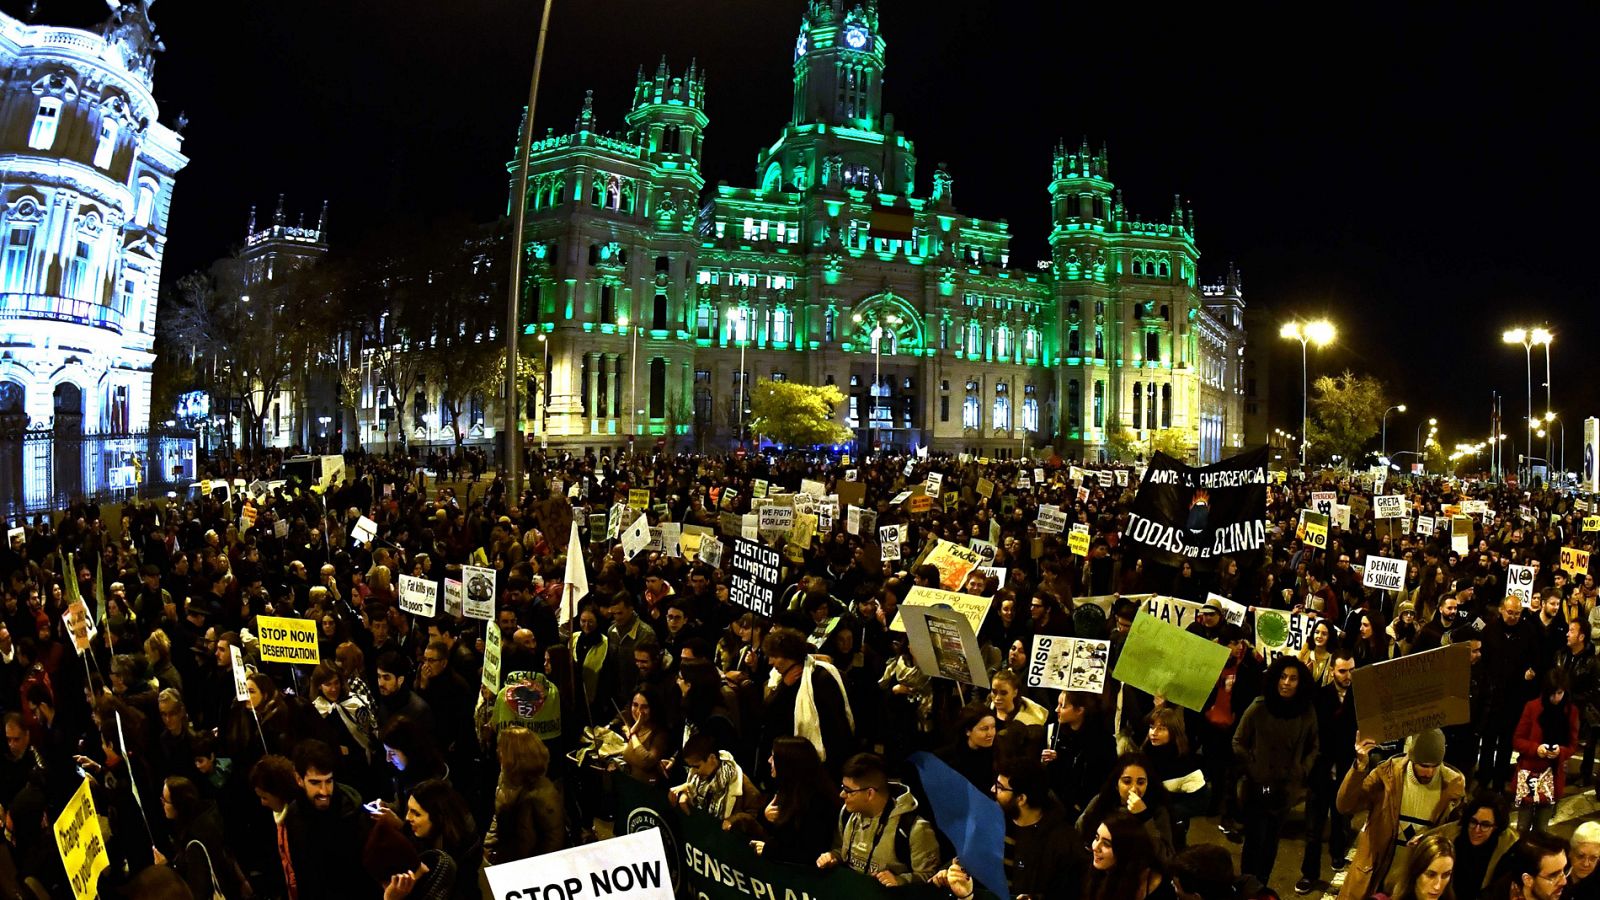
<point>1431,636</point>
<point>1276,742</point>
<point>1403,797</point>
<point>395,696</point>
<point>326,830</point>
<point>1043,852</point>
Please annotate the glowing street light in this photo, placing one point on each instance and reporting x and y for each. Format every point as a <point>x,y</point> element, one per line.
<point>1400,408</point>
<point>1527,339</point>
<point>1320,332</point>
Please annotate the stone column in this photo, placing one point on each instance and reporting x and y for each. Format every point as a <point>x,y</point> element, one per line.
<point>594,390</point>
<point>613,379</point>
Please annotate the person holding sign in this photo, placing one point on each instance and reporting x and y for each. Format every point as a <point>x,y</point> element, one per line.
<point>1389,794</point>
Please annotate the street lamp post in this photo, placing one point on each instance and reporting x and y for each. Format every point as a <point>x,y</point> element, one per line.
<point>541,396</point>
<point>877,373</point>
<point>633,381</point>
<point>1320,332</point>
<point>1527,339</point>
<point>513,296</point>
<point>1543,336</point>
<point>1400,408</point>
<point>741,318</point>
<point>1433,429</point>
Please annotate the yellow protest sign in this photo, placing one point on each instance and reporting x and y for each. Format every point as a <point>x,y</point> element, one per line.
<point>638,499</point>
<point>285,640</point>
<point>82,846</point>
<point>985,487</point>
<point>1591,523</point>
<point>973,609</point>
<point>953,562</point>
<point>1316,530</point>
<point>1574,561</point>
<point>921,503</point>
<point>1078,543</point>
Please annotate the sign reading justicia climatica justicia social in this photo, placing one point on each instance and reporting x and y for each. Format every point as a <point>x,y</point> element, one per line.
<point>1183,513</point>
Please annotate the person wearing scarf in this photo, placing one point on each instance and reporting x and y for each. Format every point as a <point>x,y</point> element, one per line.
<point>1546,737</point>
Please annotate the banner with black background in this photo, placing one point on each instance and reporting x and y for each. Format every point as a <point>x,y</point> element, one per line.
<point>1197,515</point>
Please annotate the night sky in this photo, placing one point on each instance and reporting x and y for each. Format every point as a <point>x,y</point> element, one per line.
<point>1418,175</point>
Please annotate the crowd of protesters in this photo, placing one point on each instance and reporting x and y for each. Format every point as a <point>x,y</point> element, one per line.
<point>391,770</point>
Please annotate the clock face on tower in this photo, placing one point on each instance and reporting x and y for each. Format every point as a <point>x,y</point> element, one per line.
<point>857,38</point>
<point>801,45</point>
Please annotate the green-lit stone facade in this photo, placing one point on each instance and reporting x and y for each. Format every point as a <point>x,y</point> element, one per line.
<point>647,286</point>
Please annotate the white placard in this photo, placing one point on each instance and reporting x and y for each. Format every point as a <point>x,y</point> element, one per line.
<point>419,596</point>
<point>631,867</point>
<point>364,531</point>
<point>1384,573</point>
<point>934,484</point>
<point>671,534</point>
<point>18,533</point>
<point>636,538</point>
<point>1038,476</point>
<point>1068,664</point>
<point>1519,584</point>
<point>480,592</point>
<point>1341,516</point>
<point>710,552</point>
<point>1388,506</point>
<point>492,639</point>
<point>889,537</point>
<point>1232,613</point>
<point>776,518</point>
<point>1051,519</point>
<point>1425,526</point>
<point>454,593</point>
<point>814,488</point>
<point>1324,501</point>
<point>241,690</point>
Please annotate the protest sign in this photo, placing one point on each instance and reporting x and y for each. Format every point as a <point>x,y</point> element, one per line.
<point>934,484</point>
<point>454,595</point>
<point>1388,506</point>
<point>1051,519</point>
<point>1519,584</point>
<point>1283,633</point>
<point>711,552</point>
<point>492,639</point>
<point>1171,609</point>
<point>998,573</point>
<point>1591,523</point>
<point>1359,507</point>
<point>754,571</point>
<point>1316,530</point>
<point>1574,561</point>
<point>1107,478</point>
<point>629,867</point>
<point>1122,478</point>
<point>943,644</point>
<point>287,640</point>
<point>758,488</point>
<point>921,503</point>
<point>280,528</point>
<point>1078,543</point>
<point>1400,697</point>
<point>1232,613</point>
<point>1083,494</point>
<point>1038,475</point>
<point>976,609</point>
<point>813,488</point>
<point>419,596</point>
<point>1068,664</point>
<point>1460,534</point>
<point>1474,507</point>
<point>1160,658</point>
<point>1384,573</point>
<point>241,691</point>
<point>775,518</point>
<point>636,538</point>
<point>481,592</point>
<point>889,541</point>
<point>80,625</point>
<point>1341,516</point>
<point>986,550</point>
<point>1324,501</point>
<point>1425,526</point>
<point>639,499</point>
<point>953,562</point>
<point>985,487</point>
<point>852,474</point>
<point>899,498</point>
<point>82,846</point>
<point>1191,514</point>
<point>364,531</point>
<point>671,538</point>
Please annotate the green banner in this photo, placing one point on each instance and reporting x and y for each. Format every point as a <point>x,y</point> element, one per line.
<point>711,864</point>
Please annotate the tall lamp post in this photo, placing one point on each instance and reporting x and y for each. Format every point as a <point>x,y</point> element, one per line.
<point>1527,339</point>
<point>540,398</point>
<point>1321,332</point>
<point>1433,429</point>
<point>513,296</point>
<point>1400,408</point>
<point>633,380</point>
<point>1543,336</point>
<point>741,318</point>
<point>877,372</point>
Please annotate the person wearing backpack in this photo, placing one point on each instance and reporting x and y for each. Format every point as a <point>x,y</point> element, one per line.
<point>879,832</point>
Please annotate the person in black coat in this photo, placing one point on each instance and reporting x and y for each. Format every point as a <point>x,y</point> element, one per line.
<point>1511,652</point>
<point>1335,704</point>
<point>1079,750</point>
<point>786,651</point>
<point>327,829</point>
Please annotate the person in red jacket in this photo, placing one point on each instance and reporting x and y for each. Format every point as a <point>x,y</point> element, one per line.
<point>1546,737</point>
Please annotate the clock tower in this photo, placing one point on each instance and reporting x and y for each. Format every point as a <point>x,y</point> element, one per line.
<point>838,67</point>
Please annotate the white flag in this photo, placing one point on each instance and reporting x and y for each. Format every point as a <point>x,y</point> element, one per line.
<point>577,580</point>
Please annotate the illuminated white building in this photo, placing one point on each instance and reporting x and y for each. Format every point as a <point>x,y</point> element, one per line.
<point>86,179</point>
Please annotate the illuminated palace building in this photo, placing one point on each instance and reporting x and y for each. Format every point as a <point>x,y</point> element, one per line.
<point>838,269</point>
<point>86,178</point>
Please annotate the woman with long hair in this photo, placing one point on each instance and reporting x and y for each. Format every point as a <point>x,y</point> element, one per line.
<point>705,709</point>
<point>1079,750</point>
<point>1318,657</point>
<point>972,752</point>
<point>1177,767</point>
<point>1546,737</point>
<point>1480,835</point>
<point>1370,643</point>
<point>1430,868</point>
<point>648,735</point>
<point>799,821</point>
<point>199,849</point>
<point>413,758</point>
<point>1132,790</point>
<point>441,828</point>
<point>591,657</point>
<point>272,714</point>
<point>527,809</point>
<point>1124,863</point>
<point>347,724</point>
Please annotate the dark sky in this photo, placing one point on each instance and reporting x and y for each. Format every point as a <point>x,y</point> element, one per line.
<point>1417,174</point>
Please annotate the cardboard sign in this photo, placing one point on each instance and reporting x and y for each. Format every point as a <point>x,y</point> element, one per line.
<point>492,639</point>
<point>953,562</point>
<point>985,487</point>
<point>672,538</point>
<point>1283,633</point>
<point>1171,610</point>
<point>1474,507</point>
<point>639,499</point>
<point>80,625</point>
<point>454,594</point>
<point>1051,519</point>
<point>986,550</point>
<point>813,488</point>
<point>976,609</point>
<point>776,518</point>
<point>1068,664</point>
<point>1384,573</point>
<point>241,690</point>
<point>481,592</point>
<point>944,644</point>
<point>631,867</point>
<point>1341,516</point>
<point>711,552</point>
<point>1401,697</point>
<point>921,503</point>
<point>758,488</point>
<point>1077,543</point>
<point>1591,523</point>
<point>81,844</point>
<point>1519,584</point>
<point>1574,561</point>
<point>419,596</point>
<point>754,572</point>
<point>1388,506</point>
<point>1460,534</point>
<point>364,531</point>
<point>1159,658</point>
<point>287,640</point>
<point>1083,494</point>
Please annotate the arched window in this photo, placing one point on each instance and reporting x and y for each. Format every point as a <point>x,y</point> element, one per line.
<point>1030,409</point>
<point>1002,342</point>
<point>45,121</point>
<point>884,341</point>
<point>1163,270</point>
<point>1074,404</point>
<point>971,408</point>
<point>1030,343</point>
<point>1074,343</point>
<point>1166,406</point>
<point>659,313</point>
<point>145,211</point>
<point>739,325</point>
<point>1074,308</point>
<point>1002,406</point>
<point>782,326</point>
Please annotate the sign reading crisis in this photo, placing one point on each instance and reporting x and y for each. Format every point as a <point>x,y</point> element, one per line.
<point>286,640</point>
<point>753,576</point>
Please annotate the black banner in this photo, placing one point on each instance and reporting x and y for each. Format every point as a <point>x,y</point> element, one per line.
<point>1197,515</point>
<point>754,571</point>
